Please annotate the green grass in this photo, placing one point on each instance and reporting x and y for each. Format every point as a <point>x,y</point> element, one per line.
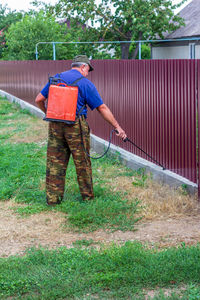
<point>21,168</point>
<point>22,178</point>
<point>117,272</point>
<point>84,243</point>
<point>128,271</point>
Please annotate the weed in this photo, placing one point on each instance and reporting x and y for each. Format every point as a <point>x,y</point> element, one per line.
<point>107,211</point>
<point>141,180</point>
<point>115,272</point>
<point>114,158</point>
<point>29,209</point>
<point>84,242</point>
<point>184,189</point>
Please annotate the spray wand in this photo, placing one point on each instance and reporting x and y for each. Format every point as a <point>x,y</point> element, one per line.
<point>125,140</point>
<point>128,140</point>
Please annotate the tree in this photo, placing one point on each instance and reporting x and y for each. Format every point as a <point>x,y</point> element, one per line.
<point>22,37</point>
<point>121,20</point>
<point>7,17</point>
<point>79,30</point>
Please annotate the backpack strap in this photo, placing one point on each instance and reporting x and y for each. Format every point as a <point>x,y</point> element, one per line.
<point>78,80</point>
<point>82,108</point>
<point>54,80</point>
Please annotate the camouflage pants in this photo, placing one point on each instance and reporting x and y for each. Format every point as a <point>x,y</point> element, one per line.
<point>64,140</point>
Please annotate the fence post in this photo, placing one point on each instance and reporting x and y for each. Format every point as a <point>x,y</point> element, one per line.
<point>198,127</point>
<point>54,51</point>
<point>36,51</point>
<point>140,50</point>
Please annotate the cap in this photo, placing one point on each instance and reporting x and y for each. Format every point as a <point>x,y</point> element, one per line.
<point>83,59</point>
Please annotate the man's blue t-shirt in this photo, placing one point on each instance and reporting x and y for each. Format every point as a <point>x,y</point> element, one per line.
<point>87,92</point>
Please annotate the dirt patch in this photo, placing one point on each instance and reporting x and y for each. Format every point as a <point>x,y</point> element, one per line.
<point>46,230</point>
<point>37,133</point>
<point>34,130</point>
<point>167,292</point>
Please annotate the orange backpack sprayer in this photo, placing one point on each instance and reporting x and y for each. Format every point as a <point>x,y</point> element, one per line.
<point>62,101</point>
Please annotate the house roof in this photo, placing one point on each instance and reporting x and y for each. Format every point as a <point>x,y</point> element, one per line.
<point>190,14</point>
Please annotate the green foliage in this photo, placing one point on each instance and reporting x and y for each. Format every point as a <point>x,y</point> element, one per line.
<point>108,211</point>
<point>131,20</point>
<point>193,292</point>
<point>145,51</point>
<point>7,17</point>
<point>22,37</point>
<point>114,272</point>
<point>79,31</point>
<point>84,243</point>
<point>86,21</point>
<point>184,189</point>
<point>141,179</point>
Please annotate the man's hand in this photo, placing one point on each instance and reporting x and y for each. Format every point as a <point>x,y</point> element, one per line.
<point>120,133</point>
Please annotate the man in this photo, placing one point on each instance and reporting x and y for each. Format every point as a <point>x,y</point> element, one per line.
<point>64,139</point>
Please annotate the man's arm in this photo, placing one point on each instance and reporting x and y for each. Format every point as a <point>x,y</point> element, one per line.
<point>108,116</point>
<point>40,101</point>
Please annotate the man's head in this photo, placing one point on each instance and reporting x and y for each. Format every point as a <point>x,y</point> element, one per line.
<point>82,62</point>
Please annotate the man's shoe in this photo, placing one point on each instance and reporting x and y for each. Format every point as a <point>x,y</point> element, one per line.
<point>53,203</point>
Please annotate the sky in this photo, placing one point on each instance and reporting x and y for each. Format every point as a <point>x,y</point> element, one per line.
<point>25,4</point>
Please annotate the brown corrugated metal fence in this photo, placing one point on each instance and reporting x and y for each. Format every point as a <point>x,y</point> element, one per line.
<point>155,101</point>
<point>198,113</point>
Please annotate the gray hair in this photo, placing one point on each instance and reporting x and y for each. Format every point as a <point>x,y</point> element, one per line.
<point>78,64</point>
